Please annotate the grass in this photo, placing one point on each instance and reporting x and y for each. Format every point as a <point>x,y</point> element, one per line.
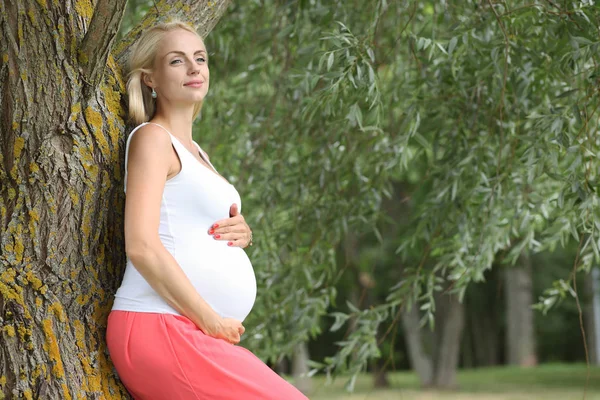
<point>547,382</point>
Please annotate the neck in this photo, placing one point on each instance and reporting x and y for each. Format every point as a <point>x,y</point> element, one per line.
<point>177,120</point>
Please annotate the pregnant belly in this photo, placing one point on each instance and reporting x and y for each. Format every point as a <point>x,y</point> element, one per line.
<point>223,276</point>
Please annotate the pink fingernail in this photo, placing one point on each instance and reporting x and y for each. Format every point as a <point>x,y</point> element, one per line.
<point>230,243</point>
<point>217,236</point>
<point>215,226</point>
<point>211,231</point>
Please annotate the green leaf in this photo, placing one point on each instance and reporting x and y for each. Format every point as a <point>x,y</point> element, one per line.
<point>452,45</point>
<point>340,320</point>
<point>330,61</point>
<point>582,40</point>
<point>567,93</point>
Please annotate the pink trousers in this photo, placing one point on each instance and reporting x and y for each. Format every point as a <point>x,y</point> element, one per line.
<point>166,357</point>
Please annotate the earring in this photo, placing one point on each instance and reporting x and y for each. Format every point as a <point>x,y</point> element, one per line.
<point>154,95</point>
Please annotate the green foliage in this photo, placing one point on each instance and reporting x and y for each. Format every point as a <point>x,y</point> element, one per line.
<point>293,118</point>
<point>506,99</point>
<point>486,111</point>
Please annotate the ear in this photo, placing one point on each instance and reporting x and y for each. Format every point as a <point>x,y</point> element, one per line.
<point>147,79</point>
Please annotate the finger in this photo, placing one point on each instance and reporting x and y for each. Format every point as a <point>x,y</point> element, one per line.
<point>241,329</point>
<point>241,227</point>
<point>230,229</point>
<point>238,219</point>
<point>235,338</point>
<point>221,226</point>
<point>228,339</point>
<point>233,210</point>
<point>230,236</point>
<point>237,243</point>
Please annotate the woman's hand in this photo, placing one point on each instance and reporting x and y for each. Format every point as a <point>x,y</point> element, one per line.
<point>234,230</point>
<point>228,329</point>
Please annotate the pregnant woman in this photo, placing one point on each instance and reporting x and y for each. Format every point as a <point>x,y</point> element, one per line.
<point>188,284</point>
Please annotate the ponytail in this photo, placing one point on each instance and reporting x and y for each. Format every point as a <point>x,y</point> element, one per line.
<point>138,107</point>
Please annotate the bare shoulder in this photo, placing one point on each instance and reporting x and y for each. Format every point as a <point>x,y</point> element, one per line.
<point>150,139</point>
<point>151,153</point>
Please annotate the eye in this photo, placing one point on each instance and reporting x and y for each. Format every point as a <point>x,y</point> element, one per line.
<point>175,61</point>
<point>201,59</point>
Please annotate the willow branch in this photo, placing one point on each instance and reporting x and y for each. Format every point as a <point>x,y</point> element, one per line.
<point>98,40</point>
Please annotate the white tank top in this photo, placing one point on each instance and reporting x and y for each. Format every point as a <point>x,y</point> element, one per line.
<point>192,201</point>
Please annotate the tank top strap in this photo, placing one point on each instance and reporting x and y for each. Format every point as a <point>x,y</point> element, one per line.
<point>205,157</point>
<point>175,142</point>
<point>180,148</point>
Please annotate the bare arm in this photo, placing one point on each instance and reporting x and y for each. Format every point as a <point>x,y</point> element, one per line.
<point>150,162</point>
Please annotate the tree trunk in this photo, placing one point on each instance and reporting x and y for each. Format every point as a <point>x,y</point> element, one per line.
<point>362,296</point>
<point>379,365</point>
<point>438,369</point>
<point>520,337</point>
<point>300,368</point>
<point>481,328</point>
<point>467,348</point>
<point>485,339</point>
<point>419,360</point>
<point>591,314</point>
<point>449,327</point>
<point>61,198</point>
<point>380,375</point>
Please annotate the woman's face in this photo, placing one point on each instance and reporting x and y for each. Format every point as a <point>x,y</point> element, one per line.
<point>180,73</point>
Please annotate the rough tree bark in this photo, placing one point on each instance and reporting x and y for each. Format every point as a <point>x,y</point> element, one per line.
<point>61,196</point>
<point>520,335</point>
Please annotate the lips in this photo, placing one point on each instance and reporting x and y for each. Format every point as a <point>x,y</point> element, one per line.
<point>194,84</point>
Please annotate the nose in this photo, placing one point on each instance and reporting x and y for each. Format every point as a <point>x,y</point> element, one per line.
<point>194,69</point>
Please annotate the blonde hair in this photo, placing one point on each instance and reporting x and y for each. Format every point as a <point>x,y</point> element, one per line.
<point>141,104</point>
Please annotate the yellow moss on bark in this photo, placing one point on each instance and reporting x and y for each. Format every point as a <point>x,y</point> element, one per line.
<point>94,119</point>
<point>24,333</point>
<point>75,110</point>
<point>10,330</point>
<point>36,282</point>
<point>51,347</point>
<point>84,9</point>
<point>57,309</point>
<point>19,144</point>
<point>19,247</point>
<point>31,15</point>
<point>34,219</point>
